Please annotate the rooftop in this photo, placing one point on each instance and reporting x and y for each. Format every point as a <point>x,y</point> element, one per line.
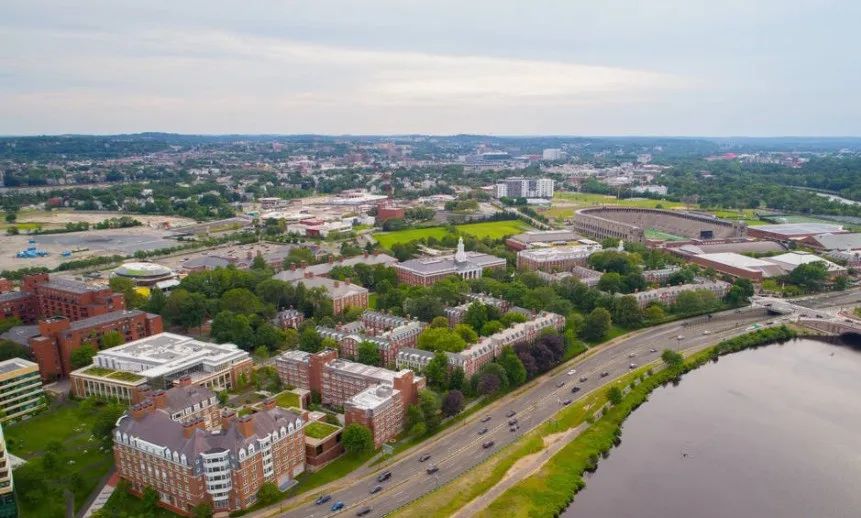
<point>113,316</point>
<point>360,369</point>
<point>372,397</point>
<point>142,269</point>
<point>544,236</point>
<point>13,295</point>
<point>849,241</point>
<point>70,285</point>
<point>799,229</point>
<point>333,287</point>
<point>559,252</point>
<point>325,268</point>
<point>14,364</point>
<point>447,264</point>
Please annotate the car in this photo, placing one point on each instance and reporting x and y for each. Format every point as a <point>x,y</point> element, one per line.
<point>680,337</point>
<point>707,332</point>
<point>605,374</point>
<point>510,413</point>
<point>572,372</point>
<point>512,429</point>
<point>424,458</point>
<point>364,511</point>
<point>560,384</point>
<point>566,402</point>
<point>583,379</point>
<point>631,355</point>
<point>653,350</point>
<point>632,366</point>
<point>433,469</point>
<point>337,506</point>
<point>384,476</point>
<point>376,489</point>
<point>486,419</point>
<point>482,431</point>
<point>512,421</point>
<point>322,499</point>
<point>575,390</point>
<point>487,444</point>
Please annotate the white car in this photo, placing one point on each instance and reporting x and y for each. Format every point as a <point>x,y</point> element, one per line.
<point>572,372</point>
<point>707,332</point>
<point>680,337</point>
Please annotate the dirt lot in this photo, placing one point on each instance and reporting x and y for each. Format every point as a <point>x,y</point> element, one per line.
<point>58,218</point>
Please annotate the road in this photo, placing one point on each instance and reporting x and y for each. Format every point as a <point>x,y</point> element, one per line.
<point>460,448</point>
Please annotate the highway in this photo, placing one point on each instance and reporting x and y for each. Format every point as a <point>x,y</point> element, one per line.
<point>458,449</point>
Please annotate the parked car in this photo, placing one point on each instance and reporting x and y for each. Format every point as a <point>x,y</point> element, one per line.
<point>433,469</point>
<point>653,350</point>
<point>632,366</point>
<point>424,458</point>
<point>510,413</point>
<point>572,372</point>
<point>560,384</point>
<point>384,476</point>
<point>376,489</point>
<point>337,506</point>
<point>575,390</point>
<point>482,431</point>
<point>566,402</point>
<point>486,419</point>
<point>583,379</point>
<point>487,444</point>
<point>364,511</point>
<point>322,499</point>
<point>605,374</point>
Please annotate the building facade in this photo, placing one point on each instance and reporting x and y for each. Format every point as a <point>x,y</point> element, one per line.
<point>378,408</point>
<point>555,259</point>
<point>428,270</point>
<point>8,506</point>
<point>21,393</point>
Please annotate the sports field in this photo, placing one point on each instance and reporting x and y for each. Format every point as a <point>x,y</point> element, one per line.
<point>491,229</point>
<point>585,199</point>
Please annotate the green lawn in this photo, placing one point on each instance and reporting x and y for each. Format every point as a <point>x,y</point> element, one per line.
<point>585,198</point>
<point>30,440</point>
<point>319,429</point>
<point>491,229</point>
<point>122,504</point>
<point>653,233</point>
<point>372,300</point>
<point>288,399</point>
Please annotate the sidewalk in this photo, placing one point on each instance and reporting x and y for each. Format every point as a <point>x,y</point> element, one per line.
<point>103,495</point>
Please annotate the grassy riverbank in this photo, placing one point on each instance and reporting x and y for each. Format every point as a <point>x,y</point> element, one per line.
<point>551,488</point>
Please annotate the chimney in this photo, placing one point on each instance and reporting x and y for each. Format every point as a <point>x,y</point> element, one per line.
<point>268,403</point>
<point>246,426</point>
<point>366,254</point>
<point>337,283</point>
<point>293,267</point>
<point>331,259</point>
<point>188,428</point>
<point>159,399</point>
<point>185,381</point>
<point>309,274</point>
<point>348,280</point>
<point>304,264</point>
<point>142,409</point>
<point>228,417</point>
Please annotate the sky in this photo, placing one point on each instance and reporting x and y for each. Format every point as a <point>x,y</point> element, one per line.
<point>569,67</point>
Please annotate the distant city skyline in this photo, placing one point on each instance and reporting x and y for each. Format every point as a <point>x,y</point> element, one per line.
<point>662,68</point>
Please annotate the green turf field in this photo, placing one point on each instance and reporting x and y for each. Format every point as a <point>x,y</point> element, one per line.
<point>491,229</point>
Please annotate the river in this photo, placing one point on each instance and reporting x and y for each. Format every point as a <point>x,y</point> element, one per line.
<point>769,432</point>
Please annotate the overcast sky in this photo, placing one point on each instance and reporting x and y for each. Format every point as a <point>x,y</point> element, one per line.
<point>573,67</point>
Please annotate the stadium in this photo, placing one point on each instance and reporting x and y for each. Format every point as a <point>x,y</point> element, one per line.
<point>640,225</point>
<point>144,274</point>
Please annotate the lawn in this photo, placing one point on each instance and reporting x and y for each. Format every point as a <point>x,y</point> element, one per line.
<point>372,300</point>
<point>30,440</point>
<point>122,503</point>
<point>288,399</point>
<point>491,229</point>
<point>653,233</point>
<point>319,429</point>
<point>585,199</point>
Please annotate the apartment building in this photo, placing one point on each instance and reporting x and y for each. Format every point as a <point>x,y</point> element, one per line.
<point>159,362</point>
<point>59,337</point>
<point>487,348</point>
<point>188,465</point>
<point>668,295</point>
<point>58,296</point>
<point>344,294</point>
<point>518,187</point>
<point>380,409</point>
<point>556,259</point>
<point>8,506</point>
<point>426,271</point>
<point>21,393</point>
<point>186,403</point>
<point>456,314</point>
<point>289,318</point>
<point>375,328</point>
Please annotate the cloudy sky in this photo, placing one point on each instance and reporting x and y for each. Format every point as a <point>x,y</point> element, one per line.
<point>573,67</point>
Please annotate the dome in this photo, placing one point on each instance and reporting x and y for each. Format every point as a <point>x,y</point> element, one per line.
<point>144,273</point>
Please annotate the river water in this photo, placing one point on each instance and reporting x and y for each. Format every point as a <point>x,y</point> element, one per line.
<point>769,432</point>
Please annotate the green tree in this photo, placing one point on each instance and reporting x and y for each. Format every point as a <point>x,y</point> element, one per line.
<point>368,353</point>
<point>156,301</point>
<point>514,369</point>
<point>453,403</point>
<point>310,340</point>
<point>291,339</point>
<point>611,282</point>
<point>185,309</point>
<point>11,217</point>
<point>614,395</point>
<point>430,404</point>
<point>229,327</point>
<point>259,263</point>
<point>672,358</point>
<point>597,325</point>
<point>457,379</point>
<point>112,339</point>
<point>10,349</point>
<point>298,255</point>
<point>127,287</point>
<point>810,277</point>
<point>439,322</point>
<point>441,339</point>
<point>467,333</point>
<point>627,312</point>
<point>476,315</point>
<point>261,353</point>
<point>241,301</point>
<point>511,318</point>
<point>150,499</point>
<point>268,493</point>
<point>83,356</point>
<point>357,439</point>
<point>654,313</point>
<point>436,371</point>
<point>491,327</point>
<point>202,510</point>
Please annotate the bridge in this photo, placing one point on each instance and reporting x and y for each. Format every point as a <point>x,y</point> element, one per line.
<point>832,320</point>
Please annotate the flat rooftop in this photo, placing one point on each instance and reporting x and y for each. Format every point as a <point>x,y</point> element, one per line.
<point>799,229</point>
<point>365,371</point>
<point>372,397</point>
<point>14,364</point>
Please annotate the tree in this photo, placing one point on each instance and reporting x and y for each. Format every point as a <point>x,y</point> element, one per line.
<point>291,338</point>
<point>611,282</point>
<point>150,498</point>
<point>672,358</point>
<point>368,353</point>
<point>488,383</point>
<point>514,368</point>
<point>309,340</point>
<point>453,403</point>
<point>156,301</point>
<point>467,333</point>
<point>11,217</point>
<point>259,263</point>
<point>229,327</point>
<point>266,378</point>
<point>491,327</point>
<point>127,287</point>
<point>415,421</point>
<point>268,493</point>
<point>654,313</point>
<point>476,315</point>
<point>439,322</point>
<point>597,325</point>
<point>810,277</point>
<point>10,349</point>
<point>298,255</point>
<point>185,309</point>
<point>202,510</point>
<point>436,371</point>
<point>511,318</point>
<point>441,339</point>
<point>271,337</point>
<point>456,379</point>
<point>241,301</point>
<point>112,339</point>
<point>424,308</point>
<point>633,282</point>
<point>357,439</point>
<point>83,356</point>
<point>430,404</point>
<point>261,353</point>
<point>627,312</point>
<point>695,301</point>
<point>614,395</point>
<point>740,292</point>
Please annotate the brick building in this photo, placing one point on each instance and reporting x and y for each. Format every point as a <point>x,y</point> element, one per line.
<point>426,271</point>
<point>379,408</point>
<point>455,314</point>
<point>188,465</point>
<point>289,318</point>
<point>386,211</point>
<point>185,403</point>
<point>668,294</point>
<point>43,296</point>
<point>557,259</point>
<point>344,294</point>
<point>387,332</point>
<point>58,337</point>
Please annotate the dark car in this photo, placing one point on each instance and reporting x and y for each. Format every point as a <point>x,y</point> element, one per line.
<point>487,444</point>
<point>433,469</point>
<point>510,413</point>
<point>384,476</point>
<point>566,402</point>
<point>363,512</point>
<point>482,431</point>
<point>605,374</point>
<point>322,499</point>
<point>575,390</point>
<point>424,458</point>
<point>512,421</point>
<point>486,419</point>
<point>337,506</point>
<point>376,489</point>
<point>583,379</point>
<point>513,429</point>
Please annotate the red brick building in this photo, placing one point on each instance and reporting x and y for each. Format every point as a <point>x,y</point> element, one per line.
<point>344,294</point>
<point>58,337</point>
<point>386,211</point>
<point>42,296</point>
<point>188,465</point>
<point>380,409</point>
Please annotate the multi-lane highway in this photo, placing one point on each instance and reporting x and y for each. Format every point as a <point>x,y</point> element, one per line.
<point>456,450</point>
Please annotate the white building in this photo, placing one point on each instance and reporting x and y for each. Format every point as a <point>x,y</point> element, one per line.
<point>518,187</point>
<point>552,154</point>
